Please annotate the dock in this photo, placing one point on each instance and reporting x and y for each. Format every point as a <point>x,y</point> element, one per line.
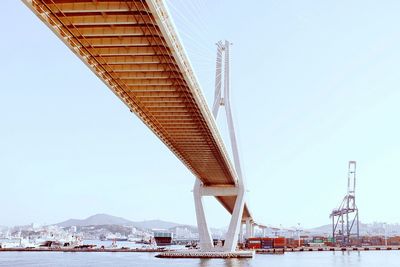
<point>153,250</point>
<point>241,254</point>
<point>312,249</point>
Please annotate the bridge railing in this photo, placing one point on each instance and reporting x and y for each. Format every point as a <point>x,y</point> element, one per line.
<point>173,40</point>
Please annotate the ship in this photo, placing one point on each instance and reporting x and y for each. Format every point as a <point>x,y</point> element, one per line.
<point>116,237</point>
<point>162,237</point>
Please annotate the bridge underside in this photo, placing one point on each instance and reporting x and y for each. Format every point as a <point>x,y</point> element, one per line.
<point>133,48</point>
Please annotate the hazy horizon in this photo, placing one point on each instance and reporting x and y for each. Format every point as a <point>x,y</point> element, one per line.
<point>314,85</point>
<point>177,222</point>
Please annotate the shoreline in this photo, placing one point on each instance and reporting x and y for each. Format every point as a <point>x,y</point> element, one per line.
<point>158,250</point>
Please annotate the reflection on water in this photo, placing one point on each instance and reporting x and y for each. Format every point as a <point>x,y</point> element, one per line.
<point>304,259</point>
<point>224,263</point>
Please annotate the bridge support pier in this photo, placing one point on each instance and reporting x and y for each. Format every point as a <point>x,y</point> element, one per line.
<point>264,231</point>
<point>206,242</point>
<point>249,228</point>
<point>241,236</point>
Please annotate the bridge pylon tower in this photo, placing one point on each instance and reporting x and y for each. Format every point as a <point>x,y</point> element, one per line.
<point>222,99</point>
<point>345,222</point>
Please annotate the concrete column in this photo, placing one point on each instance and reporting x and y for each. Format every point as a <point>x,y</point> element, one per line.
<point>233,230</point>
<point>248,228</point>
<point>206,242</point>
<point>241,233</point>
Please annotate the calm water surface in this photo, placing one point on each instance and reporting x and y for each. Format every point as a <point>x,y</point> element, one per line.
<point>306,259</point>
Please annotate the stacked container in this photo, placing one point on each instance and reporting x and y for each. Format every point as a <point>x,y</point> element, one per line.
<point>253,243</point>
<point>267,242</point>
<point>279,242</point>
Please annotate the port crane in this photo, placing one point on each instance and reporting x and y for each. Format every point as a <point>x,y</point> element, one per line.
<point>345,219</point>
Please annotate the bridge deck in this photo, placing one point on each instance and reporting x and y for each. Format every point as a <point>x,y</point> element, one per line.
<point>133,48</point>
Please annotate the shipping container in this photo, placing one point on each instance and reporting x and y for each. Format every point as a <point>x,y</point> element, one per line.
<point>267,242</point>
<point>331,239</point>
<point>329,244</point>
<point>253,243</point>
<point>393,241</point>
<point>279,242</point>
<point>294,243</point>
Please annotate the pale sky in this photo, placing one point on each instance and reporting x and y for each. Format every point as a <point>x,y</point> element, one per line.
<point>315,84</point>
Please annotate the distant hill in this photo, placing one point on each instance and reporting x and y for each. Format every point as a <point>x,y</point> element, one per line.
<point>112,222</point>
<point>98,219</point>
<point>327,228</point>
<point>376,228</point>
<point>105,219</point>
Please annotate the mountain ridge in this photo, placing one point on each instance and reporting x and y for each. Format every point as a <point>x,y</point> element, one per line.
<point>106,219</point>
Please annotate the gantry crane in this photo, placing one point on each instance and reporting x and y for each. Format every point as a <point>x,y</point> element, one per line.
<point>345,222</point>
